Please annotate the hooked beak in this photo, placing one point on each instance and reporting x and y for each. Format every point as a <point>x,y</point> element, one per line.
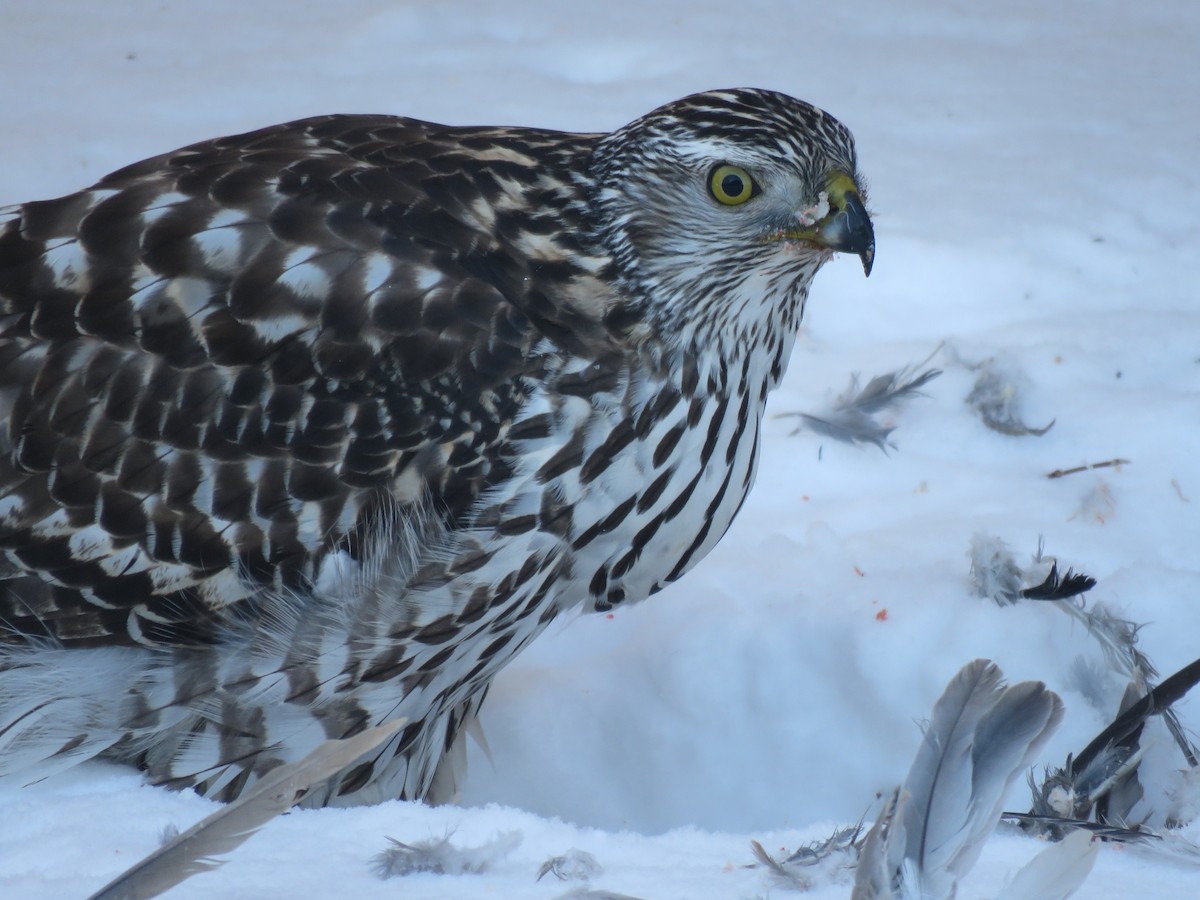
<point>846,227</point>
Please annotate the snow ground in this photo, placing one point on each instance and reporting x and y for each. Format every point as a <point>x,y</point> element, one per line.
<point>1033,179</point>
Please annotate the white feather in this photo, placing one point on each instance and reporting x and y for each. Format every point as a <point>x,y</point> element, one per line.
<point>1057,872</point>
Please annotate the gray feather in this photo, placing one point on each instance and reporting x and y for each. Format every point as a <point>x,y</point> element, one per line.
<point>873,876</point>
<point>981,735</point>
<point>574,865</point>
<point>196,850</point>
<point>787,877</point>
<point>996,396</point>
<point>440,857</point>
<point>852,419</point>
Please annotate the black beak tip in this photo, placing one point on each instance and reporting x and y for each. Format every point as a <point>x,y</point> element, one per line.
<point>867,255</point>
<point>860,234</point>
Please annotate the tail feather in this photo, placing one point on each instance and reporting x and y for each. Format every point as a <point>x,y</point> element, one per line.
<point>58,707</point>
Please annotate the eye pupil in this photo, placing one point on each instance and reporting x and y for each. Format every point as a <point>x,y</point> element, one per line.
<point>732,185</point>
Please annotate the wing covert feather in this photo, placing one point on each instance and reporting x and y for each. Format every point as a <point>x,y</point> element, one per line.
<point>215,362</point>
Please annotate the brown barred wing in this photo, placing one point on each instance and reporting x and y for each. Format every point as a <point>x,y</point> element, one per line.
<point>216,362</point>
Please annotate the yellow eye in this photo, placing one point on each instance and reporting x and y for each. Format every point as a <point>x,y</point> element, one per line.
<point>731,185</point>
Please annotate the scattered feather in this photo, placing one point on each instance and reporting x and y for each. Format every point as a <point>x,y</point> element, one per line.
<point>1173,847</point>
<point>996,396</point>
<point>880,855</point>
<point>574,865</point>
<point>1057,587</point>
<point>1184,796</point>
<point>440,857</point>
<point>995,574</point>
<point>1069,795</point>
<point>196,850</point>
<point>841,841</point>
<point>1116,635</point>
<point>1103,775</point>
<point>1156,702</point>
<point>815,862</point>
<point>789,878</point>
<point>853,416</point>
<point>1121,790</point>
<point>1167,845</point>
<point>1057,872</point>
<point>1065,825</point>
<point>980,736</point>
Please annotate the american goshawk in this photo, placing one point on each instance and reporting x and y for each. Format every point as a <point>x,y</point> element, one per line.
<point>315,427</point>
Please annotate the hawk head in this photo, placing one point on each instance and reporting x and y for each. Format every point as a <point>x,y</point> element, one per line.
<point>719,208</point>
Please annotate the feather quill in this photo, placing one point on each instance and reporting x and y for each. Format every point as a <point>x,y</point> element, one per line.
<point>196,850</point>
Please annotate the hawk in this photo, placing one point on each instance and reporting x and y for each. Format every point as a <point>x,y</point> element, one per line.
<point>316,427</point>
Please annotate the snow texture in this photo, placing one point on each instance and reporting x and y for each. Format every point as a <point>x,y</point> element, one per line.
<point>1036,202</point>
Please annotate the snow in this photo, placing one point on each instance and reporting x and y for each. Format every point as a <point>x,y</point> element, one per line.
<point>1033,181</point>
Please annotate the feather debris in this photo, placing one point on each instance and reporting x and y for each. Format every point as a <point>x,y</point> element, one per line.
<point>1156,702</point>
<point>996,396</point>
<point>1183,797</point>
<point>981,735</point>
<point>994,570</point>
<point>1109,762</point>
<point>1171,846</point>
<point>574,865</point>
<point>440,857</point>
<point>1065,825</point>
<point>1119,792</point>
<point>996,574</point>
<point>1161,845</point>
<point>796,880</point>
<point>196,849</point>
<point>805,866</point>
<point>853,417</point>
<point>1060,587</point>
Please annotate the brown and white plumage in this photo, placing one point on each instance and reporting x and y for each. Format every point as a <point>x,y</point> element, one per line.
<point>314,427</point>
